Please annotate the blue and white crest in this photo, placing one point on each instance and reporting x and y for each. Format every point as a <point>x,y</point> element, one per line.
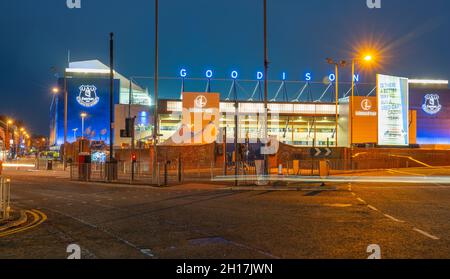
<point>88,96</point>
<point>432,105</point>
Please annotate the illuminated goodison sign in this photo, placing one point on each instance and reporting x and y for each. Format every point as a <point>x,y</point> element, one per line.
<point>259,75</point>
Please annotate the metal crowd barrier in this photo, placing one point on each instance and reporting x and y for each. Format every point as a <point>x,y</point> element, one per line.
<point>5,198</point>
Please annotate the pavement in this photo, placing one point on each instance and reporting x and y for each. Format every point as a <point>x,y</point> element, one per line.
<point>200,220</point>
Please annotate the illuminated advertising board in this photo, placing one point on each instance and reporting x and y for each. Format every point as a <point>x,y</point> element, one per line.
<point>200,119</point>
<point>365,120</point>
<point>433,115</point>
<point>88,109</point>
<point>393,106</point>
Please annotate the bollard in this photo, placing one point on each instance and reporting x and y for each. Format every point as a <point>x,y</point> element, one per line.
<point>158,170</point>
<point>179,171</point>
<point>166,173</point>
<point>212,170</point>
<point>5,193</point>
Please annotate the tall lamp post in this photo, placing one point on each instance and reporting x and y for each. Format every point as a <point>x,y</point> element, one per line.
<point>367,58</point>
<point>75,133</point>
<point>65,119</point>
<point>266,70</point>
<point>337,65</point>
<point>83,116</point>
<point>155,116</point>
<point>7,136</point>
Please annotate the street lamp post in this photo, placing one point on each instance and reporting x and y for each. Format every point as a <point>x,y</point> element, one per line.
<point>65,120</point>
<point>7,136</point>
<point>155,116</point>
<point>337,65</point>
<point>83,116</point>
<point>266,70</point>
<point>367,58</point>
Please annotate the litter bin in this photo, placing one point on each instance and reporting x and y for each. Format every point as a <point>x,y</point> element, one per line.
<point>84,166</point>
<point>49,165</point>
<point>324,168</point>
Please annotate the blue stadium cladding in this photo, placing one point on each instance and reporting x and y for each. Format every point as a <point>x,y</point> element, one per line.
<point>431,128</point>
<point>96,123</point>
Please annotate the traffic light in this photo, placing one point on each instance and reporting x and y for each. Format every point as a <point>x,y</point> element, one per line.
<point>133,157</point>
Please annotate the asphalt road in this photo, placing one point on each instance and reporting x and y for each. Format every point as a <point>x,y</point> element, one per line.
<point>212,221</point>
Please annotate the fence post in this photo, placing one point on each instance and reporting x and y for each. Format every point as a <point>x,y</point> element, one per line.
<point>166,174</point>
<point>8,185</point>
<point>179,170</point>
<point>70,170</point>
<point>5,192</point>
<point>1,198</point>
<point>158,170</point>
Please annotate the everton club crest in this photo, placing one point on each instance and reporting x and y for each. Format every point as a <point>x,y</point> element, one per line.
<point>88,96</point>
<point>432,105</point>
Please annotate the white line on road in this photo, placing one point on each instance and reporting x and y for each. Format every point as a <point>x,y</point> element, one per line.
<point>405,172</point>
<point>361,200</point>
<point>372,207</point>
<point>426,234</point>
<point>393,218</point>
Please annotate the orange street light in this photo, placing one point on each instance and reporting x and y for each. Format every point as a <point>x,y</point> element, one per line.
<point>368,58</point>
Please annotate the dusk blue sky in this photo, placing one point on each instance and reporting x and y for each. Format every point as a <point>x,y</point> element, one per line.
<point>201,34</point>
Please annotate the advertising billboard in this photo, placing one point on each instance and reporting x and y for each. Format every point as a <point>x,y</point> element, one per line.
<point>201,114</point>
<point>433,115</point>
<point>200,119</point>
<point>393,106</point>
<point>365,120</point>
<point>87,109</point>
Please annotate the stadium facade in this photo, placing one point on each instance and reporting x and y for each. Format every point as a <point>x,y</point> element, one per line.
<point>299,122</point>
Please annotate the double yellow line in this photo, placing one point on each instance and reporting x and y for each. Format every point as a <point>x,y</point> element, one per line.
<point>39,217</point>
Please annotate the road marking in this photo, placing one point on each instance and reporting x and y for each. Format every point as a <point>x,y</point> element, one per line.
<point>38,218</point>
<point>426,234</point>
<point>404,172</point>
<point>361,200</point>
<point>104,230</point>
<point>147,252</point>
<point>338,204</point>
<point>397,220</point>
<point>393,218</point>
<point>353,194</point>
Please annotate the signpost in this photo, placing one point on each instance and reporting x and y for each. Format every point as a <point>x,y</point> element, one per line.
<point>320,152</point>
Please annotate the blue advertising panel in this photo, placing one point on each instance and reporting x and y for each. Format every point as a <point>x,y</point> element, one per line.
<point>433,115</point>
<point>87,97</point>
